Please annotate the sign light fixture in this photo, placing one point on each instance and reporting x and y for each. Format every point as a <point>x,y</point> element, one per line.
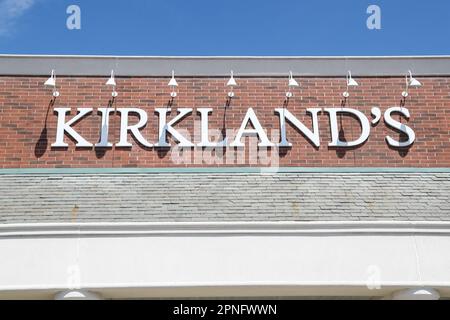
<point>112,82</point>
<point>173,84</point>
<point>411,82</point>
<point>51,83</point>
<point>291,84</point>
<point>231,83</point>
<point>350,83</point>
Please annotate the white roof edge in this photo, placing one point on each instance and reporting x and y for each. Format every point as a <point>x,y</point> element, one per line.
<point>259,227</point>
<point>220,57</point>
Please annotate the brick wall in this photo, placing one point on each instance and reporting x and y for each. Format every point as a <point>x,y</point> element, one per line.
<point>28,122</point>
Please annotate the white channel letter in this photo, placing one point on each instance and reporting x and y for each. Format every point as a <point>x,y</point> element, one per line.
<point>167,127</point>
<point>124,127</point>
<point>313,136</point>
<point>258,130</point>
<point>365,127</point>
<point>104,132</point>
<point>65,127</point>
<point>204,130</point>
<point>399,126</point>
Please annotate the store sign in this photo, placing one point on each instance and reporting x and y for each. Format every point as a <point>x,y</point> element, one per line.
<point>283,117</point>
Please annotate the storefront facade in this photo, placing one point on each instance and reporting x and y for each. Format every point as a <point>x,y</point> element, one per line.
<point>215,188</point>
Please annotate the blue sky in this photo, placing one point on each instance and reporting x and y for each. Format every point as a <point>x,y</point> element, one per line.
<point>232,27</point>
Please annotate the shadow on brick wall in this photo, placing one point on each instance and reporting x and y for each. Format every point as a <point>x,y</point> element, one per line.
<point>41,145</point>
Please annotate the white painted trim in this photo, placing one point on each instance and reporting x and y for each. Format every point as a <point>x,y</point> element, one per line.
<point>143,285</point>
<point>220,57</point>
<point>222,228</point>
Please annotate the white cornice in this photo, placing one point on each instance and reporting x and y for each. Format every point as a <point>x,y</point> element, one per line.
<point>224,228</point>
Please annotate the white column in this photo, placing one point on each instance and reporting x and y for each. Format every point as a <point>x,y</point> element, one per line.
<point>77,295</point>
<point>416,294</point>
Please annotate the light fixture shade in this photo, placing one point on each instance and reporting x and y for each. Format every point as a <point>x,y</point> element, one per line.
<point>111,81</point>
<point>231,82</point>
<point>292,82</point>
<point>414,83</point>
<point>350,81</point>
<point>51,82</point>
<point>173,82</point>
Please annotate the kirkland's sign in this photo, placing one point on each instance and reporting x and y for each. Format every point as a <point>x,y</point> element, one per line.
<point>250,126</point>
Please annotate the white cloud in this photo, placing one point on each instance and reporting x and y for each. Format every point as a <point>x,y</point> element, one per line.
<point>10,11</point>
